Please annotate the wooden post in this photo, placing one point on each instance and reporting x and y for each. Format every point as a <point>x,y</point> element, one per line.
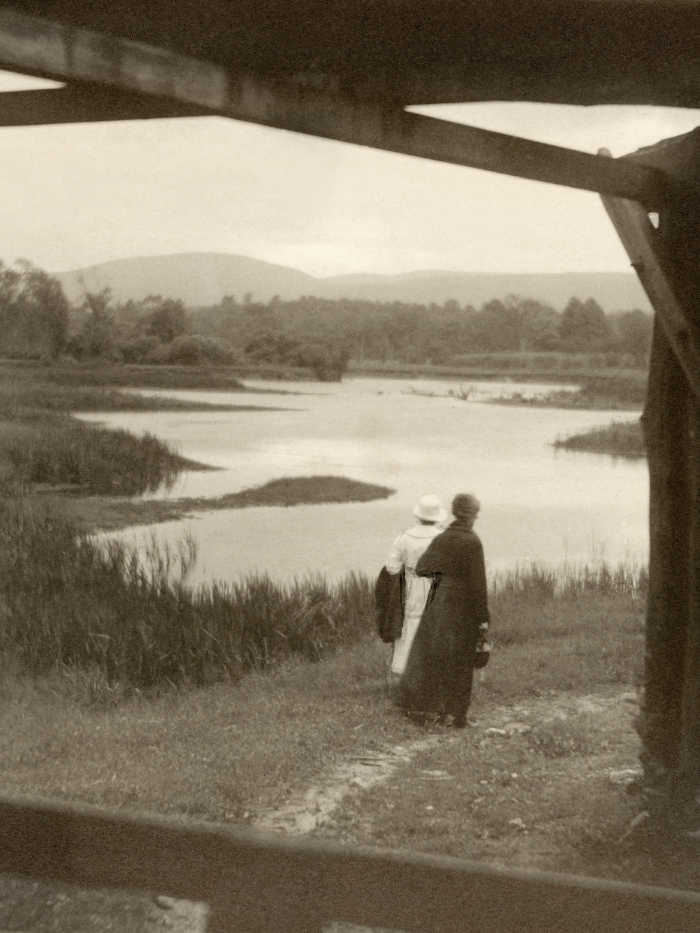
<point>670,723</point>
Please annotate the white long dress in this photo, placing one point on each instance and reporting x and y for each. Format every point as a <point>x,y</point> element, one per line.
<point>405,551</point>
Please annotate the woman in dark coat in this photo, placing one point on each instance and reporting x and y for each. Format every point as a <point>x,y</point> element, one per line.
<point>450,640</point>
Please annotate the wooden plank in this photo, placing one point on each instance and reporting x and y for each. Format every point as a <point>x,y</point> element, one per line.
<point>432,51</point>
<point>64,53</point>
<point>258,883</point>
<point>82,104</point>
<point>637,235</point>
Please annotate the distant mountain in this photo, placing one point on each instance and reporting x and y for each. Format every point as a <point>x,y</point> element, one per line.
<point>198,279</point>
<point>202,279</point>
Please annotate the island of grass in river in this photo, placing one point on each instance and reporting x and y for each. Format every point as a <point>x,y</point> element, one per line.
<point>108,513</point>
<point>620,439</point>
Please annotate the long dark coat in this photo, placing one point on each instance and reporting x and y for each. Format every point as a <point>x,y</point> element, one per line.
<point>388,603</point>
<point>439,671</point>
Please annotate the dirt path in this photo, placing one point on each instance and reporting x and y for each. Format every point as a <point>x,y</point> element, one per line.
<point>359,772</point>
<point>315,807</point>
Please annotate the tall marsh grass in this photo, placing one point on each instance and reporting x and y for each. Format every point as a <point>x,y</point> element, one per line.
<point>108,462</point>
<point>620,439</point>
<point>41,443</point>
<point>106,615</point>
<point>25,399</point>
<point>537,580</point>
<point>68,601</point>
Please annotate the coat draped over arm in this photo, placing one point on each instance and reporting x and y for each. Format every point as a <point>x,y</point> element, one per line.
<point>388,602</point>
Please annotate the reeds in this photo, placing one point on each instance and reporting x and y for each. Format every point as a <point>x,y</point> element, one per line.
<point>620,439</point>
<point>538,581</point>
<point>129,621</point>
<point>74,602</point>
<point>108,462</point>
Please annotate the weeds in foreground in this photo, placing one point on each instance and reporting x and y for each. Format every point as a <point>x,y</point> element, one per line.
<point>71,601</point>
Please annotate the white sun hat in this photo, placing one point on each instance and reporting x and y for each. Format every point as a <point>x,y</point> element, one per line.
<point>429,509</point>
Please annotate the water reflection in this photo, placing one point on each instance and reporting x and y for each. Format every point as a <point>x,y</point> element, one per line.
<point>537,503</point>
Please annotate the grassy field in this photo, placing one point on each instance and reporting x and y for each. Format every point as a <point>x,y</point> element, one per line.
<point>566,646</point>
<point>577,633</point>
<point>122,688</point>
<point>531,364</point>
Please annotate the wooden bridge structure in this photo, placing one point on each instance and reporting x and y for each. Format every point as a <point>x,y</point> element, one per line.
<point>346,70</point>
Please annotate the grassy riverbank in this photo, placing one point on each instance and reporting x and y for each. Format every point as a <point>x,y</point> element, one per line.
<point>142,376</point>
<point>42,448</point>
<point>41,445</point>
<point>620,439</point>
<point>128,624</point>
<point>240,748</point>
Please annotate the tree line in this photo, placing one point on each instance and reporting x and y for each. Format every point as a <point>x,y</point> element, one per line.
<point>436,333</point>
<point>323,335</point>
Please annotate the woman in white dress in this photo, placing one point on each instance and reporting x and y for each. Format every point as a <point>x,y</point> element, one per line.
<point>405,551</point>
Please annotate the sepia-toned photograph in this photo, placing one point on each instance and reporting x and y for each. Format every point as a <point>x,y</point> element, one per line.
<point>349,466</point>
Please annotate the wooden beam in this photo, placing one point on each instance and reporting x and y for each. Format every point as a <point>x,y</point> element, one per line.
<point>637,235</point>
<point>86,104</point>
<point>270,884</point>
<point>45,48</point>
<point>433,51</point>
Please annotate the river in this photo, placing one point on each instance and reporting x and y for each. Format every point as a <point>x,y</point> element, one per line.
<point>538,504</point>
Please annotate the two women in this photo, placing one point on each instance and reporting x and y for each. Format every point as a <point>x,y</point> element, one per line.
<point>448,641</point>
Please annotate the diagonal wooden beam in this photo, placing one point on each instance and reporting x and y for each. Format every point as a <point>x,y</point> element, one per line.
<point>637,235</point>
<point>86,104</point>
<point>46,48</point>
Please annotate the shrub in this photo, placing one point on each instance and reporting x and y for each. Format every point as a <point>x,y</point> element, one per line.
<point>141,349</point>
<point>197,350</point>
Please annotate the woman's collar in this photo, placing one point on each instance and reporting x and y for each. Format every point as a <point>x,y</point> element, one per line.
<point>424,531</point>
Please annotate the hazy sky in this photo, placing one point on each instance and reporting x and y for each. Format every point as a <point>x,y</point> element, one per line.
<point>73,196</point>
